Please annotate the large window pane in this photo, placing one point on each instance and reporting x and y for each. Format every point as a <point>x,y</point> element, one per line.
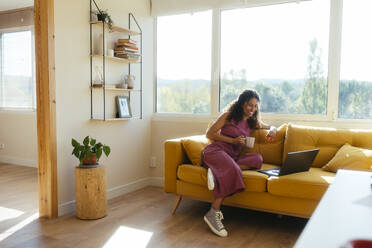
<point>17,66</point>
<point>184,63</point>
<point>355,89</point>
<point>279,50</point>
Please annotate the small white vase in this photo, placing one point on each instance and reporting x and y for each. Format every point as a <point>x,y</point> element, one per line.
<point>129,80</point>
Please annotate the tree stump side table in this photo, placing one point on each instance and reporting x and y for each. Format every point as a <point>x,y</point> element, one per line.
<point>90,184</point>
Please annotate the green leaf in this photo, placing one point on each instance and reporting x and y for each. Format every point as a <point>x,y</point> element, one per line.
<point>74,150</point>
<point>86,141</point>
<point>81,157</point>
<point>77,154</point>
<point>88,154</point>
<point>74,143</point>
<point>99,153</point>
<point>92,142</point>
<point>106,150</point>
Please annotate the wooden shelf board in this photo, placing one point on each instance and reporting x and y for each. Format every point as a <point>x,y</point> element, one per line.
<point>118,29</point>
<point>113,88</point>
<point>117,59</point>
<point>112,119</point>
<point>116,119</point>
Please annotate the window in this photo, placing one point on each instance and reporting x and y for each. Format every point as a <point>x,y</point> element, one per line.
<point>17,82</point>
<point>184,63</point>
<point>279,50</point>
<point>355,88</point>
<point>309,60</point>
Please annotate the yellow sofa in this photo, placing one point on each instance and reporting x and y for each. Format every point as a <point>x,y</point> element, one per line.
<point>296,194</point>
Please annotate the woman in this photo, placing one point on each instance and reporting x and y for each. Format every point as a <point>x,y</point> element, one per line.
<point>222,158</point>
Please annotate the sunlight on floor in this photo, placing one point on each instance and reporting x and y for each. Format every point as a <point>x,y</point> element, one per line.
<point>328,179</point>
<point>128,237</point>
<point>9,213</point>
<point>18,226</point>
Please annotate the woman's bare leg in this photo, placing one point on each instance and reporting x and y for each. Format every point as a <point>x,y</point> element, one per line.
<point>216,204</point>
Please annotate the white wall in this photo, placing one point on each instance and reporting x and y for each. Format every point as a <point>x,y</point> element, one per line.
<point>130,141</point>
<point>18,134</point>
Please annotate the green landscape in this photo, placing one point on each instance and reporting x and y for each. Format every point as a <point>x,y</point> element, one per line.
<point>280,96</point>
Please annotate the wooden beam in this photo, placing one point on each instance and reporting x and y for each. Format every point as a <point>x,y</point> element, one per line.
<point>46,108</point>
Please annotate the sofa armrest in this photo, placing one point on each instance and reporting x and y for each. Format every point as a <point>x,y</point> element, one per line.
<point>174,155</point>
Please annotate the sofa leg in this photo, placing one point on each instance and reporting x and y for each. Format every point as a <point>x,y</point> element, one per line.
<point>176,204</point>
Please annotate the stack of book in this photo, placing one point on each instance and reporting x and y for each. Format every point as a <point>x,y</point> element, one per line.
<point>127,48</point>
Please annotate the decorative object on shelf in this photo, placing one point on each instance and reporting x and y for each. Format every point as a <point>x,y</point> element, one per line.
<point>122,86</point>
<point>102,15</point>
<point>127,49</point>
<point>98,81</point>
<point>129,80</point>
<point>89,152</point>
<point>123,104</point>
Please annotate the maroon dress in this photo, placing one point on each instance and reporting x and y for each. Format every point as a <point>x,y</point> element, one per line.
<point>223,159</point>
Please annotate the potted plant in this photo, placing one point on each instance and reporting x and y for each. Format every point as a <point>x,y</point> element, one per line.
<point>90,151</point>
<point>102,15</point>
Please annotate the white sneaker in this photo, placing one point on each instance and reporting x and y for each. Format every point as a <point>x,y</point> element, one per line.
<point>210,178</point>
<point>214,220</point>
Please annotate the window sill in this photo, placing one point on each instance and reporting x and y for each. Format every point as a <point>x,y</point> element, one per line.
<point>269,118</point>
<point>18,111</point>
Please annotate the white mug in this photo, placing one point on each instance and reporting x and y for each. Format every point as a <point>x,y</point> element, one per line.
<point>249,141</point>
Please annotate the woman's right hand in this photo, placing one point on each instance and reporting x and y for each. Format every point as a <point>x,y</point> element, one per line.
<point>240,140</point>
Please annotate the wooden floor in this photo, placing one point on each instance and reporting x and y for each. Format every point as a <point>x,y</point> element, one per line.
<point>18,195</point>
<point>143,219</point>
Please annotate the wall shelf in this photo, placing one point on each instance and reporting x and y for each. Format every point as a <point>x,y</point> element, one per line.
<point>117,119</point>
<point>128,61</point>
<point>102,115</point>
<point>118,29</point>
<point>113,88</point>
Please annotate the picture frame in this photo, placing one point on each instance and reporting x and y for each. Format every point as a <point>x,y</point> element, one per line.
<point>123,106</point>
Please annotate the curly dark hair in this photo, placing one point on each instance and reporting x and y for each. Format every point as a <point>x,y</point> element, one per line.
<point>235,109</point>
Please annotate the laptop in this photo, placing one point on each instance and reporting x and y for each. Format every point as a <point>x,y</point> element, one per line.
<point>294,162</point>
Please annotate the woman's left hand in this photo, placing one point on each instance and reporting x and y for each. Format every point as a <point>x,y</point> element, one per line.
<point>270,136</point>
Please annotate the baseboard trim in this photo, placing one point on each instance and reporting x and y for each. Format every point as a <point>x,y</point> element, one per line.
<point>66,208</point>
<point>69,207</point>
<point>157,181</point>
<point>127,188</point>
<point>18,161</point>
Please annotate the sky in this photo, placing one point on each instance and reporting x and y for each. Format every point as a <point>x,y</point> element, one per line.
<point>356,56</point>
<point>269,42</point>
<point>17,53</point>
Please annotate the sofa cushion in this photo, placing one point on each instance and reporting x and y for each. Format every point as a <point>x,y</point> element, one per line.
<point>311,184</point>
<point>328,140</point>
<point>194,146</point>
<point>272,153</point>
<point>350,158</point>
<point>253,180</point>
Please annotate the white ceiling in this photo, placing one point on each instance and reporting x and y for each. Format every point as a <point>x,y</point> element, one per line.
<point>15,4</point>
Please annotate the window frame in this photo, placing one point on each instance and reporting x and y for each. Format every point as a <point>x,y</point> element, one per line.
<point>333,77</point>
<point>20,110</point>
